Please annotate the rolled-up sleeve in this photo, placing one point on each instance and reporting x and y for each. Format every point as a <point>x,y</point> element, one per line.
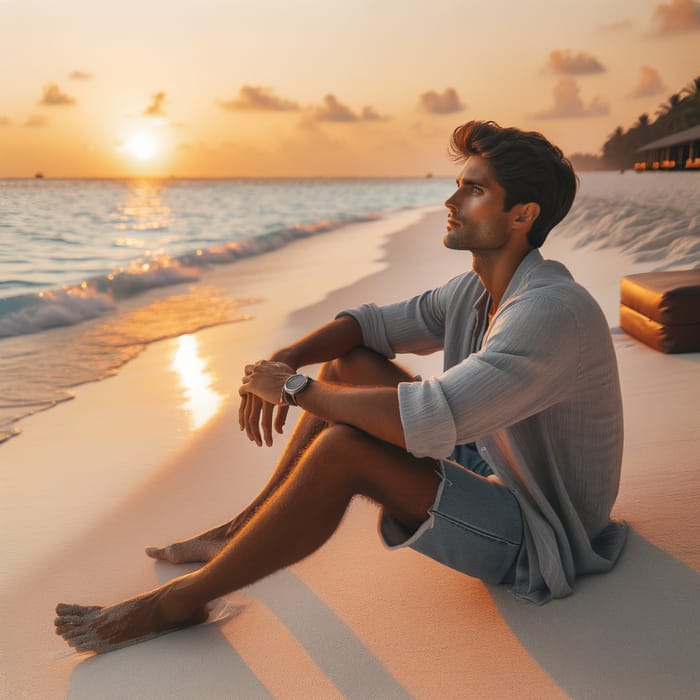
<point>528,363</point>
<point>426,416</point>
<point>371,322</point>
<point>416,325</point>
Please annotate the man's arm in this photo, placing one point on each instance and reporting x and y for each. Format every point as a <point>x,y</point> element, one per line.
<point>375,410</point>
<point>326,343</point>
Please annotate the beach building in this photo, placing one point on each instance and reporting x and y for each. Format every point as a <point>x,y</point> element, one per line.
<point>679,151</point>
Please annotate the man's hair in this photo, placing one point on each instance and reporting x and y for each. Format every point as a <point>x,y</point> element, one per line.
<point>526,165</point>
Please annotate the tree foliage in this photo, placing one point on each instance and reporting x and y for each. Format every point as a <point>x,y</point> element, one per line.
<point>680,111</point>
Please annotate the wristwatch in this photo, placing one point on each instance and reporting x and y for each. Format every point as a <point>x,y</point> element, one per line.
<point>295,384</point>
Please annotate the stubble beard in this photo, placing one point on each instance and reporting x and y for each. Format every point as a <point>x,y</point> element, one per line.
<point>474,238</point>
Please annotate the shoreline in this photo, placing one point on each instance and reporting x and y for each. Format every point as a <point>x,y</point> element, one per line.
<point>146,399</point>
<point>344,621</point>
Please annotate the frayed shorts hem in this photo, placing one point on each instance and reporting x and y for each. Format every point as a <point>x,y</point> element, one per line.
<point>474,526</point>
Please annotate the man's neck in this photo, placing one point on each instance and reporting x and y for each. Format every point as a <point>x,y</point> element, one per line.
<point>496,272</point>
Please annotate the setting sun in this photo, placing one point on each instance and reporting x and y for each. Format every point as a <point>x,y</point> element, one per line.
<point>142,146</point>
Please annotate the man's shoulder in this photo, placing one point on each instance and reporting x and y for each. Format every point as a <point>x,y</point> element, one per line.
<point>548,290</point>
<point>551,280</point>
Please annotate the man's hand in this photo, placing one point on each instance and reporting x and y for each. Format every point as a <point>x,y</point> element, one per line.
<point>261,391</point>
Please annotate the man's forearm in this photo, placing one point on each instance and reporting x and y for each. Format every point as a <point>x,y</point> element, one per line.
<point>374,410</point>
<point>325,343</point>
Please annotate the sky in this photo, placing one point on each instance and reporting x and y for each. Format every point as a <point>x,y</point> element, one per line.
<point>322,88</point>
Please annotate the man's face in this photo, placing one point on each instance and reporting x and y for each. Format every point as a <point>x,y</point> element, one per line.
<point>476,220</point>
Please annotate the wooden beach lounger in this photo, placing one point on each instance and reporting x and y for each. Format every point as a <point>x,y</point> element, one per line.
<point>662,309</point>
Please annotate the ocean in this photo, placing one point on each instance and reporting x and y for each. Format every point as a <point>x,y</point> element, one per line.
<point>88,268</point>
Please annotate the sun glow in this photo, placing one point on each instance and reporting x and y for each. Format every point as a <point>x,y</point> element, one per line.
<point>142,146</point>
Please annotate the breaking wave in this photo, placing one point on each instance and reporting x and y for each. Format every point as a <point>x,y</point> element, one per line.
<point>31,313</point>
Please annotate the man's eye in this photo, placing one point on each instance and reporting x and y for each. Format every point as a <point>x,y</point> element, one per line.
<point>476,189</point>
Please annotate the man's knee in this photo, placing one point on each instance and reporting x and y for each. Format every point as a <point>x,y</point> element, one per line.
<point>339,441</point>
<point>341,453</point>
<point>365,366</point>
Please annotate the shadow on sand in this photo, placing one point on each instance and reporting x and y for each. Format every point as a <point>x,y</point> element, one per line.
<point>200,662</point>
<point>634,633</point>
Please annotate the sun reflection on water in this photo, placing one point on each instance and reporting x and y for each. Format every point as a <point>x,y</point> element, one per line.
<point>201,401</point>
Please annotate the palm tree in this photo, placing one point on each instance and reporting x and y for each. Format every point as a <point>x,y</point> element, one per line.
<point>614,150</point>
<point>674,116</point>
<point>642,121</point>
<point>666,108</point>
<point>691,89</point>
<point>690,104</point>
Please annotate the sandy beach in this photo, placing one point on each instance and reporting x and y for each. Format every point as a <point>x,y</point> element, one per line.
<point>154,454</point>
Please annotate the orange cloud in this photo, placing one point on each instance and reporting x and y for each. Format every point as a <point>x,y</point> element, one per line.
<point>4,121</point>
<point>569,105</point>
<point>80,75</point>
<point>155,109</point>
<point>446,102</point>
<point>254,98</point>
<point>568,63</point>
<point>650,83</point>
<point>371,115</point>
<point>53,97</point>
<point>332,110</point>
<point>35,121</point>
<point>676,16</point>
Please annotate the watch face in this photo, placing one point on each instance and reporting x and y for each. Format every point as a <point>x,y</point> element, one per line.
<point>295,382</point>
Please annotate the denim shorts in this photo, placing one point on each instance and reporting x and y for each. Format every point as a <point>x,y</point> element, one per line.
<point>474,525</point>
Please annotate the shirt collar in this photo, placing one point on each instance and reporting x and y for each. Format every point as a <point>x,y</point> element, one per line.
<point>527,264</point>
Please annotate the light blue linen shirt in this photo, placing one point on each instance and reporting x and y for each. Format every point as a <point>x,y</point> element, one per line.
<point>539,393</point>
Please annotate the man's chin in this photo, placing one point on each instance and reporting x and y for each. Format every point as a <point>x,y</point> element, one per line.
<point>452,242</point>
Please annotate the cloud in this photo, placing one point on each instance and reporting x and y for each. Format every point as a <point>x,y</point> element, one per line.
<point>4,121</point>
<point>436,103</point>
<point>155,109</point>
<point>53,97</point>
<point>254,98</point>
<point>650,83</point>
<point>80,75</point>
<point>36,120</point>
<point>618,26</point>
<point>568,63</point>
<point>369,114</point>
<point>569,105</point>
<point>332,110</point>
<point>676,16</point>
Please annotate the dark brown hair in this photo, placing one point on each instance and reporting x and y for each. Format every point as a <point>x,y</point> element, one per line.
<point>526,165</point>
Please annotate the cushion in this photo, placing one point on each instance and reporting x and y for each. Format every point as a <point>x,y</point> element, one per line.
<point>662,309</point>
<point>668,339</point>
<point>667,297</point>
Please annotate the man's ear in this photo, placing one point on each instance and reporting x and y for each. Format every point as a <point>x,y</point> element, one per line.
<point>526,213</point>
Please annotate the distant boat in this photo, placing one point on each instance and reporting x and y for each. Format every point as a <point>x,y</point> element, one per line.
<point>428,175</point>
<point>39,175</point>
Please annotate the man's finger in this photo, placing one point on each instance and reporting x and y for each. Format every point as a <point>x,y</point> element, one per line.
<point>242,410</point>
<point>281,418</point>
<point>253,420</point>
<point>267,422</point>
<point>246,416</point>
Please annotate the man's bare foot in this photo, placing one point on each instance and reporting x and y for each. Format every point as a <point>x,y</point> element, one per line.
<point>102,629</point>
<point>200,548</point>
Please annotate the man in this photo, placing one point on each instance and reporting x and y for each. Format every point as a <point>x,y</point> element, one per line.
<point>504,467</point>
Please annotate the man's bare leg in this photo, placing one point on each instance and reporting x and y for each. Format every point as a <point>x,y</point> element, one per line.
<point>359,367</point>
<point>297,520</point>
